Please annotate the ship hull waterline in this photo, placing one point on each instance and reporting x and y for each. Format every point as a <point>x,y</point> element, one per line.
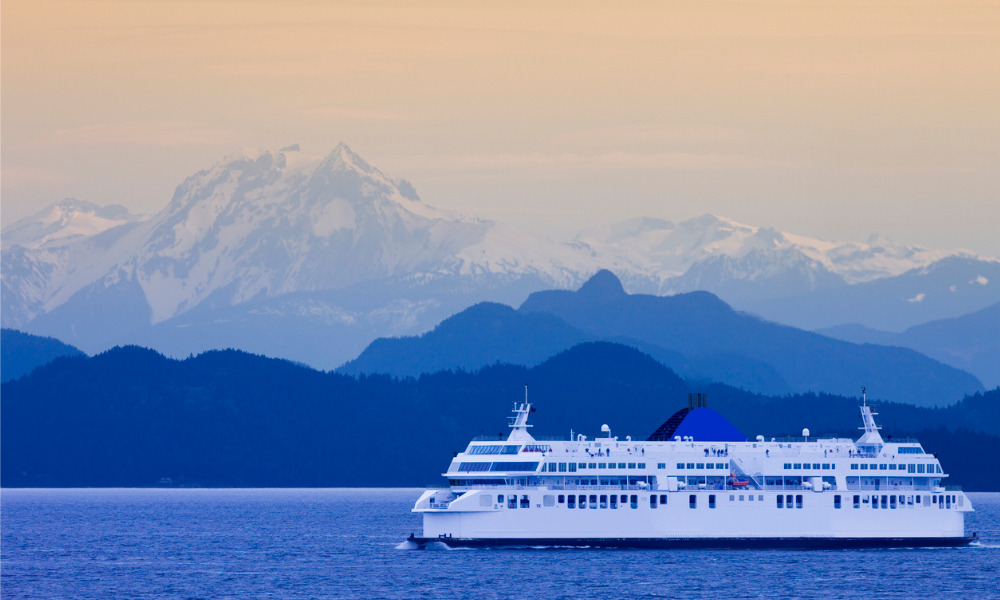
<point>713,543</point>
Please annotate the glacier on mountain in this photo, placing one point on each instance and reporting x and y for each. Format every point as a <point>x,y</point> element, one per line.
<point>309,242</point>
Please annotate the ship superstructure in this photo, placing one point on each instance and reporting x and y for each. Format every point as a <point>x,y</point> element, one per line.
<point>697,481</point>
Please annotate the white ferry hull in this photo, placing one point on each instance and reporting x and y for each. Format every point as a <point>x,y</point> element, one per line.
<point>713,488</point>
<point>732,522</point>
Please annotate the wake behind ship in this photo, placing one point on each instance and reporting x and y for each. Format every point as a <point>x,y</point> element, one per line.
<point>696,482</point>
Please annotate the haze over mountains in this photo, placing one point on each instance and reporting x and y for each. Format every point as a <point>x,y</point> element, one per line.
<point>312,258</point>
<point>695,334</point>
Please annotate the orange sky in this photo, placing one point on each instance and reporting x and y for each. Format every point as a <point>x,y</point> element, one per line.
<point>834,119</point>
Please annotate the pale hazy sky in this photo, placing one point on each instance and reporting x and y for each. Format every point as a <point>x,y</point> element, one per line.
<point>833,119</point>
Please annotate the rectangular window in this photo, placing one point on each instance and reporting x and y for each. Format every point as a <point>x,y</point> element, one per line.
<point>614,501</point>
<point>633,501</point>
<point>732,497</point>
<point>562,499</point>
<point>512,501</point>
<point>663,499</point>
<point>525,503</point>
<point>711,500</point>
<point>885,501</point>
<point>571,501</point>
<point>593,501</point>
<point>797,465</point>
<point>510,449</point>
<point>602,465</point>
<point>661,465</point>
<point>472,467</point>
<point>864,466</point>
<point>700,466</point>
<point>911,468</point>
<point>920,468</point>
<point>562,467</point>
<point>500,499</point>
<point>652,501</point>
<point>892,501</point>
<point>572,467</point>
<point>883,467</point>
<point>806,466</point>
<point>781,501</point>
<point>642,465</point>
<point>788,466</point>
<point>604,501</point>
<point>593,465</point>
<point>710,465</point>
<point>854,466</point>
<point>631,465</point>
<point>514,466</point>
<point>548,500</point>
<point>690,465</point>
<point>798,501</point>
<point>816,466</point>
<point>680,465</point>
<point>857,501</point>
<point>836,501</point>
<point>720,465</point>
<point>621,465</point>
<point>581,501</point>
<point>693,501</point>
<point>788,501</point>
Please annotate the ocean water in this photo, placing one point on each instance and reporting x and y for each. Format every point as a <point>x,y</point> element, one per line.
<point>336,543</point>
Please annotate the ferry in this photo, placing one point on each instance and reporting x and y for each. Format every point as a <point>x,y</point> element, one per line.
<point>695,482</point>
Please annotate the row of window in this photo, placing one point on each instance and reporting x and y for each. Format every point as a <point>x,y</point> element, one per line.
<point>813,466</point>
<point>700,466</point>
<point>786,501</point>
<point>572,467</point>
<point>909,468</point>
<point>495,449</point>
<point>892,501</point>
<point>475,467</point>
<point>615,501</point>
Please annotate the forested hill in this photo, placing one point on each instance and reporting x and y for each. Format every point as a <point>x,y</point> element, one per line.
<point>131,417</point>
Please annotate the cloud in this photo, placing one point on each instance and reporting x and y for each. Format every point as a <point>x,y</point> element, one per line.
<point>980,280</point>
<point>574,161</point>
<point>357,114</point>
<point>671,133</point>
<point>140,133</point>
<point>918,298</point>
<point>19,175</point>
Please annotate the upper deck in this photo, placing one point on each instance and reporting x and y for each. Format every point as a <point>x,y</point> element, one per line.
<point>698,450</point>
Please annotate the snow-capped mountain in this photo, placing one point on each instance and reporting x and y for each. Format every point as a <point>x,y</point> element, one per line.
<point>312,257</point>
<point>731,259</point>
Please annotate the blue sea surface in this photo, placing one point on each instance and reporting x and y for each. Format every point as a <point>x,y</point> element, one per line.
<point>343,543</point>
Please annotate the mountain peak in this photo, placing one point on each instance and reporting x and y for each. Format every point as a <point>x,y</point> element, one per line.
<point>342,158</point>
<point>604,285</point>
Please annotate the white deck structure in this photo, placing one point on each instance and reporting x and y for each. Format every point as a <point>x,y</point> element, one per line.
<point>696,482</point>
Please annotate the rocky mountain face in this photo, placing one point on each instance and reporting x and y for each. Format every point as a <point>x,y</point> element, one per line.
<point>311,258</point>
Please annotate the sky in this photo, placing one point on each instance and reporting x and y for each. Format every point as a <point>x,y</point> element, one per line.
<point>831,119</point>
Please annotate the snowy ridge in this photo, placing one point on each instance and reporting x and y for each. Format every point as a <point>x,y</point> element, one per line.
<point>273,233</point>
